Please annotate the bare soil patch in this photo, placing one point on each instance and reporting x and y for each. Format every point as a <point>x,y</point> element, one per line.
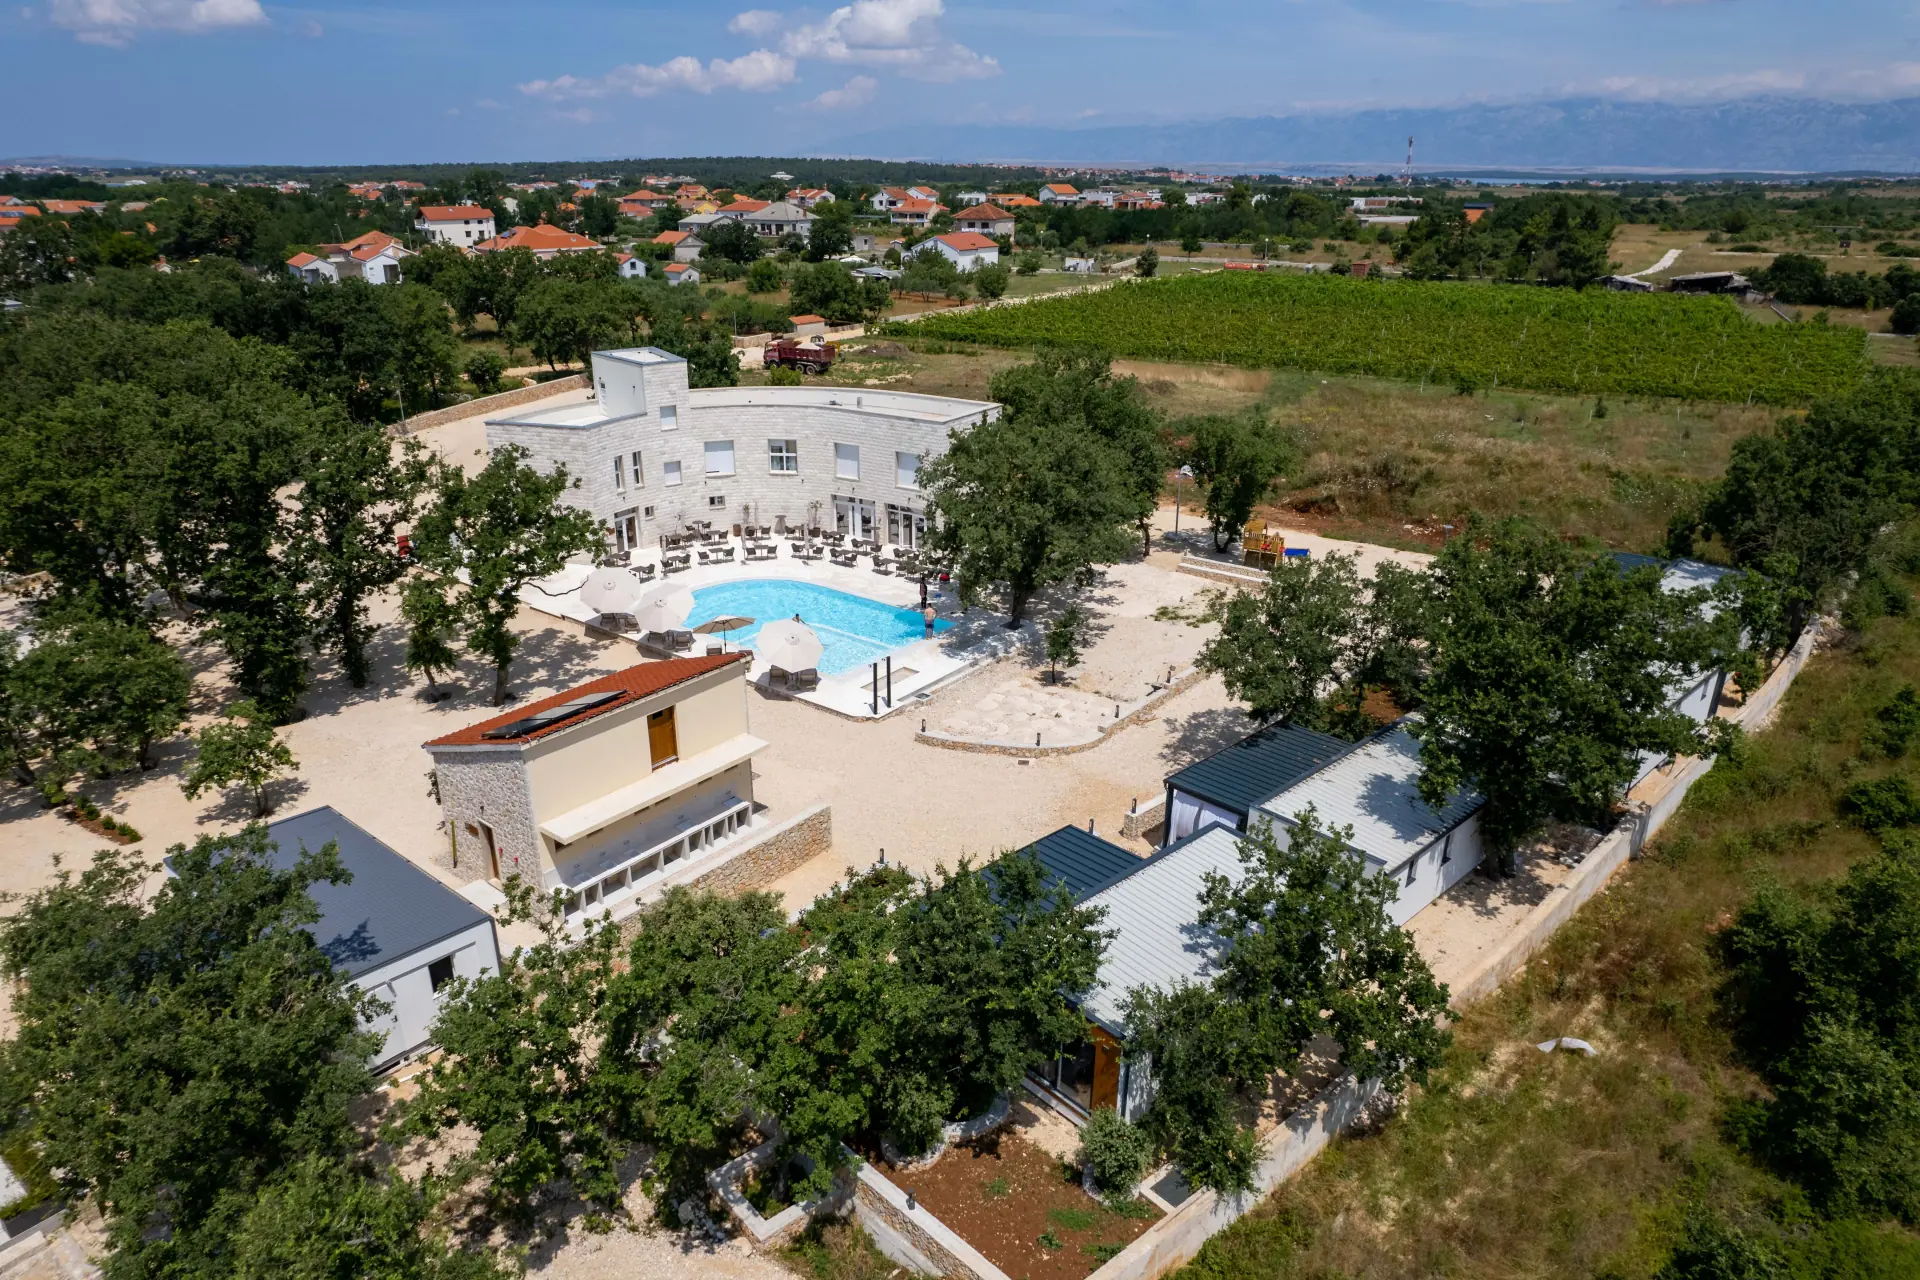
<point>1024,1209</point>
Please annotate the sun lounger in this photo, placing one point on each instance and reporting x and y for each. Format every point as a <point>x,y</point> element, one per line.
<point>679,640</point>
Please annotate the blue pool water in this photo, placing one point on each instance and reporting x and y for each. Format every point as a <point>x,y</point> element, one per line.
<point>853,630</point>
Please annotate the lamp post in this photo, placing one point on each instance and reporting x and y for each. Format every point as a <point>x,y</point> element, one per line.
<point>1184,473</point>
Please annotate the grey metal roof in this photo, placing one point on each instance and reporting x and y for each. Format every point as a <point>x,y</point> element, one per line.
<point>389,909</point>
<point>1375,790</point>
<point>1154,915</point>
<point>1259,766</point>
<point>1086,862</point>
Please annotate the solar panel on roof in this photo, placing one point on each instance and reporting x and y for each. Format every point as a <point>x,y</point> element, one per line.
<point>553,715</point>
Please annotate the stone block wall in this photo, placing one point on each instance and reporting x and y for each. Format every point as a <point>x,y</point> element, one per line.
<point>791,844</point>
<point>882,1208</point>
<point>488,787</point>
<point>492,404</point>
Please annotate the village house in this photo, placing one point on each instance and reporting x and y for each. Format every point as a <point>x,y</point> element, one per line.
<point>915,213</point>
<point>685,245</point>
<point>1059,193</point>
<point>809,197</point>
<point>887,199</point>
<point>631,266</point>
<point>987,219</point>
<point>74,206</point>
<point>739,209</point>
<point>607,792</point>
<point>543,240</point>
<point>643,203</point>
<point>967,250</point>
<point>771,221</point>
<point>374,257</point>
<point>681,273</point>
<point>398,934</point>
<point>699,222</point>
<point>460,225</point>
<point>1012,200</point>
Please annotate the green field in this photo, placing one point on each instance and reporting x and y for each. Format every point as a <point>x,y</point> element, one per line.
<point>1485,336</point>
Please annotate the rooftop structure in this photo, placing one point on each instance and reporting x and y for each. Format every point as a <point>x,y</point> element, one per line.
<point>1231,783</point>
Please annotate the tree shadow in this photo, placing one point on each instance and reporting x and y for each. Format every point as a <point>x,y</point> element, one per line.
<point>1203,733</point>
<point>552,657</point>
<point>1489,896</point>
<point>331,692</point>
<point>235,804</point>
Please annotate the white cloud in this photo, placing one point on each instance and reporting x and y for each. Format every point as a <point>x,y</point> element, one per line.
<point>1893,80</point>
<point>902,36</point>
<point>758,72</point>
<point>857,92</point>
<point>755,22</point>
<point>117,22</point>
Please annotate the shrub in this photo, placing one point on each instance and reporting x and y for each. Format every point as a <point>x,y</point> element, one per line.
<point>485,370</point>
<point>1896,723</point>
<point>1117,1153</point>
<point>1906,315</point>
<point>781,376</point>
<point>1882,804</point>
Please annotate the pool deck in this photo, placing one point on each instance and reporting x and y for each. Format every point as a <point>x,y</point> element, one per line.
<point>975,639</point>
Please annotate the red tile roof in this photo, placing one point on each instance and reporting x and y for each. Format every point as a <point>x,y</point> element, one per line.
<point>301,260</point>
<point>671,237</point>
<point>634,683</point>
<point>745,206</point>
<point>542,236</point>
<point>916,206</point>
<point>809,319</point>
<point>1014,200</point>
<point>983,213</point>
<point>453,212</point>
<point>966,241</point>
<point>1061,189</point>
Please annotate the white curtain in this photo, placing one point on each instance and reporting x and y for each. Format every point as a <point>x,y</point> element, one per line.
<point>1190,813</point>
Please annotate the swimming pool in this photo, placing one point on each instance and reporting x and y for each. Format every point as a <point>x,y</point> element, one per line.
<point>853,630</point>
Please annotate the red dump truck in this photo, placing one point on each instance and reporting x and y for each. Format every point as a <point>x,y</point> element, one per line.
<point>808,357</point>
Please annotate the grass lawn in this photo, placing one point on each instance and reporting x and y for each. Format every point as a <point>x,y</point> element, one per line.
<point>1382,455</point>
<point>1516,1164</point>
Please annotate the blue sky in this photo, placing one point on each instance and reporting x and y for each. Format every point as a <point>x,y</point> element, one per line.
<point>240,81</point>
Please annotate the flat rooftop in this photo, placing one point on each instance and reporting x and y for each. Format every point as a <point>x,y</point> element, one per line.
<point>587,413</point>
<point>886,404</point>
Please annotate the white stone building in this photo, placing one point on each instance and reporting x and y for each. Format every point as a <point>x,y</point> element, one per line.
<point>967,250</point>
<point>650,454</point>
<point>461,225</point>
<point>609,791</point>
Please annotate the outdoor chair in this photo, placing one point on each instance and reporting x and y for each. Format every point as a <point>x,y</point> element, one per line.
<point>724,555</point>
<point>644,572</point>
<point>881,566</point>
<point>846,559</point>
<point>679,640</point>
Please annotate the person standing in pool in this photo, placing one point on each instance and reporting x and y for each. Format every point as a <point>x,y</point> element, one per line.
<point>926,612</point>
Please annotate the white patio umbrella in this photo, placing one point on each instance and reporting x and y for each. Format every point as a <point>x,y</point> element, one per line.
<point>610,590</point>
<point>665,608</point>
<point>789,644</point>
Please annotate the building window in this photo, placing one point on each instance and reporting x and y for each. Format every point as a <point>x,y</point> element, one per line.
<point>646,513</point>
<point>639,476</point>
<point>783,455</point>
<point>672,470</point>
<point>846,461</point>
<point>619,473</point>
<point>669,417</point>
<point>1413,867</point>
<point>906,470</point>
<point>719,457</point>
<point>440,972</point>
<point>716,500</point>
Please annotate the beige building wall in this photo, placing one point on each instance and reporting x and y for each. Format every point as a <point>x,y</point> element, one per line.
<point>610,751</point>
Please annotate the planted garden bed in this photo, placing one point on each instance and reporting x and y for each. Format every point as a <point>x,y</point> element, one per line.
<point>1023,1208</point>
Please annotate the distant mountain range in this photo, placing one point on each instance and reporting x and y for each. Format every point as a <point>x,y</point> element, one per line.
<point>1747,135</point>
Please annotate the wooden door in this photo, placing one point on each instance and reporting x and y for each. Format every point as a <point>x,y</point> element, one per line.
<point>662,741</point>
<point>1106,1070</point>
<point>493,852</point>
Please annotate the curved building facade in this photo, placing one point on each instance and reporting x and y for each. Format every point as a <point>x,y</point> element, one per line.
<point>650,454</point>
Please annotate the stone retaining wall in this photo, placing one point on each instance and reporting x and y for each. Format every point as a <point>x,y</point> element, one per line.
<point>883,1210</point>
<point>1129,714</point>
<point>791,844</point>
<point>490,404</point>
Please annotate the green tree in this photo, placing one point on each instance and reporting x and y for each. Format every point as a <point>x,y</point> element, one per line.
<point>432,622</point>
<point>1028,263</point>
<point>1027,501</point>
<point>101,692</point>
<point>1825,993</point>
<point>359,492</point>
<point>732,241</point>
<point>831,234</point>
<point>991,281</point>
<point>599,216</point>
<point>175,1050</point>
<point>1235,460</point>
<point>241,749</point>
<point>766,276</point>
<point>1064,635</point>
<point>504,526</point>
<point>830,290</point>
<point>425,351</point>
<point>568,320</point>
<point>1147,264</point>
<point>519,1066</point>
<point>485,370</point>
<point>1308,949</point>
<point>327,1219</point>
<point>1552,673</point>
<point>1191,243</point>
<point>928,272</point>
